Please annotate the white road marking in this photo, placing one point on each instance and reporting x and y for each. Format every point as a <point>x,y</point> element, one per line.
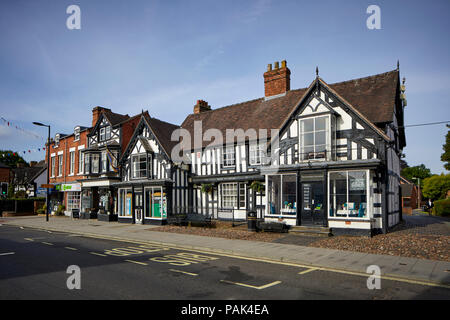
<point>308,270</point>
<point>47,243</point>
<point>189,273</point>
<point>137,262</point>
<point>70,248</point>
<point>98,254</point>
<point>6,253</point>
<point>253,287</point>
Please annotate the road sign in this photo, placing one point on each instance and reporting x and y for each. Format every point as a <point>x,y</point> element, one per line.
<point>47,186</point>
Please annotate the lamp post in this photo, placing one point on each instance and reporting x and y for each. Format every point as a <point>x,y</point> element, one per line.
<point>48,167</point>
<point>418,196</point>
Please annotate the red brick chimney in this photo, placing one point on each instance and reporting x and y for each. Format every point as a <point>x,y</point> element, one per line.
<point>278,80</point>
<point>96,114</point>
<point>201,106</point>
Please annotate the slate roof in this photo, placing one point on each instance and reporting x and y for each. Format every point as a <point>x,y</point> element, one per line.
<point>163,131</point>
<point>115,118</point>
<point>374,97</point>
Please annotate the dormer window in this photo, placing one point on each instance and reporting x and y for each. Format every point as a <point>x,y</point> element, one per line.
<point>56,140</point>
<point>77,134</point>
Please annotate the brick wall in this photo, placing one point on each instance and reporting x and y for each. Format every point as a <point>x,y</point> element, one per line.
<point>65,144</point>
<point>5,174</point>
<point>127,130</point>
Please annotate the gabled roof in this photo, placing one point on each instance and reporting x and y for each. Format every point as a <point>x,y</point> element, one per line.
<point>161,130</point>
<point>372,97</point>
<point>115,118</point>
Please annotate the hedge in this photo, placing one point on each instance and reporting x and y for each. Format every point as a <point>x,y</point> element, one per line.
<point>442,208</point>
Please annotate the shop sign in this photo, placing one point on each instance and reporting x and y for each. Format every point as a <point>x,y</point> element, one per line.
<point>69,187</point>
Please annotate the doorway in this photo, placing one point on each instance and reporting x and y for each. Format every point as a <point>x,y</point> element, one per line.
<point>313,201</point>
<point>138,207</point>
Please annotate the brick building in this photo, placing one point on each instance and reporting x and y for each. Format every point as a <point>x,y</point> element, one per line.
<point>66,168</point>
<point>5,178</point>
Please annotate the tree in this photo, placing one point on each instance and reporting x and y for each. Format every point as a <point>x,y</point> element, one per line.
<point>11,158</point>
<point>436,187</point>
<point>419,171</point>
<point>445,157</point>
<point>403,164</point>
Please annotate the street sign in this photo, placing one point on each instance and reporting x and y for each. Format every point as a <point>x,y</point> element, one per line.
<point>47,186</point>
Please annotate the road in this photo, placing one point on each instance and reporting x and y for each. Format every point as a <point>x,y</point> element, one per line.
<point>33,265</point>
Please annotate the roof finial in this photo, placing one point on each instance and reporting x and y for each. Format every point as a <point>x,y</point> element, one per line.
<point>317,71</point>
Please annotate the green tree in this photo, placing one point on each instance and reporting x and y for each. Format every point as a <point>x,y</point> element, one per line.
<point>419,171</point>
<point>436,187</point>
<point>445,157</point>
<point>11,158</point>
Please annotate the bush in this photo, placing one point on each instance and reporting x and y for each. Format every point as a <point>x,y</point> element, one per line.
<point>60,210</point>
<point>42,210</point>
<point>20,194</point>
<point>442,208</point>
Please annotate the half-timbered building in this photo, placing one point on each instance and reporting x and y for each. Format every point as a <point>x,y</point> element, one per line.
<point>332,157</point>
<point>152,186</point>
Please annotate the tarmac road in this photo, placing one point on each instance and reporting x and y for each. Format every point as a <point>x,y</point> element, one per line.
<point>33,265</point>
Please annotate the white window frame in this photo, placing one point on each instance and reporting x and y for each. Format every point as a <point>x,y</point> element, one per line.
<point>76,134</point>
<point>229,190</point>
<point>368,195</point>
<point>53,165</point>
<point>229,162</point>
<point>328,138</point>
<point>279,214</point>
<point>80,162</point>
<point>256,153</point>
<point>135,166</point>
<point>60,164</point>
<point>72,163</point>
<point>104,161</point>
<point>95,159</point>
<point>122,205</point>
<point>73,200</point>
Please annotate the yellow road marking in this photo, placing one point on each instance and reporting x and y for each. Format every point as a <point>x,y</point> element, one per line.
<point>189,273</point>
<point>253,287</point>
<point>69,248</point>
<point>47,243</point>
<point>307,270</point>
<point>98,254</point>
<point>262,259</point>
<point>137,262</point>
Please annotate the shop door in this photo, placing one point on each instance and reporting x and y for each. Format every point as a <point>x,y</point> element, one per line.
<point>313,208</point>
<point>138,207</point>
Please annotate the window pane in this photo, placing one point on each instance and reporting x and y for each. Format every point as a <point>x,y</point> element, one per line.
<point>308,139</point>
<point>338,194</point>
<point>357,199</point>
<point>289,194</point>
<point>320,137</point>
<point>308,125</point>
<point>321,123</point>
<point>274,189</point>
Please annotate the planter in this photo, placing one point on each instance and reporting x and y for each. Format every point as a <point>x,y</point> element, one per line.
<point>88,215</point>
<point>107,217</point>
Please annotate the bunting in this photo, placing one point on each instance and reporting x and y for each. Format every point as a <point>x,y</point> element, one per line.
<point>111,157</point>
<point>13,125</point>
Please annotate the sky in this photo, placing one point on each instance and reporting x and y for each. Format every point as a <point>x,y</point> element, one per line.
<point>163,56</point>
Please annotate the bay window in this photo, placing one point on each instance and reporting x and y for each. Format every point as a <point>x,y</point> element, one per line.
<point>95,163</point>
<point>104,162</point>
<point>87,163</point>
<point>348,194</point>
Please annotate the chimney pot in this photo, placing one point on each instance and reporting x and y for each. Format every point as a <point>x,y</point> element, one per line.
<point>269,67</point>
<point>201,106</point>
<point>278,80</point>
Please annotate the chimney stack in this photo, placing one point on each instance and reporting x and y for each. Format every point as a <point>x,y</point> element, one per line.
<point>278,80</point>
<point>201,106</point>
<point>96,114</point>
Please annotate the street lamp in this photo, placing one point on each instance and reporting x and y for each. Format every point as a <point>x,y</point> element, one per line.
<point>48,166</point>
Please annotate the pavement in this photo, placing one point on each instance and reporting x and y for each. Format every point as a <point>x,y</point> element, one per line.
<point>420,271</point>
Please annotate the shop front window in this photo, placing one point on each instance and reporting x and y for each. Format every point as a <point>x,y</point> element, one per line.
<point>73,200</point>
<point>86,200</point>
<point>125,202</point>
<point>155,203</point>
<point>348,194</point>
<point>282,194</point>
<point>229,195</point>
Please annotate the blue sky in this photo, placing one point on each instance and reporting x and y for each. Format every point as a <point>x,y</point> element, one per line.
<point>165,55</point>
